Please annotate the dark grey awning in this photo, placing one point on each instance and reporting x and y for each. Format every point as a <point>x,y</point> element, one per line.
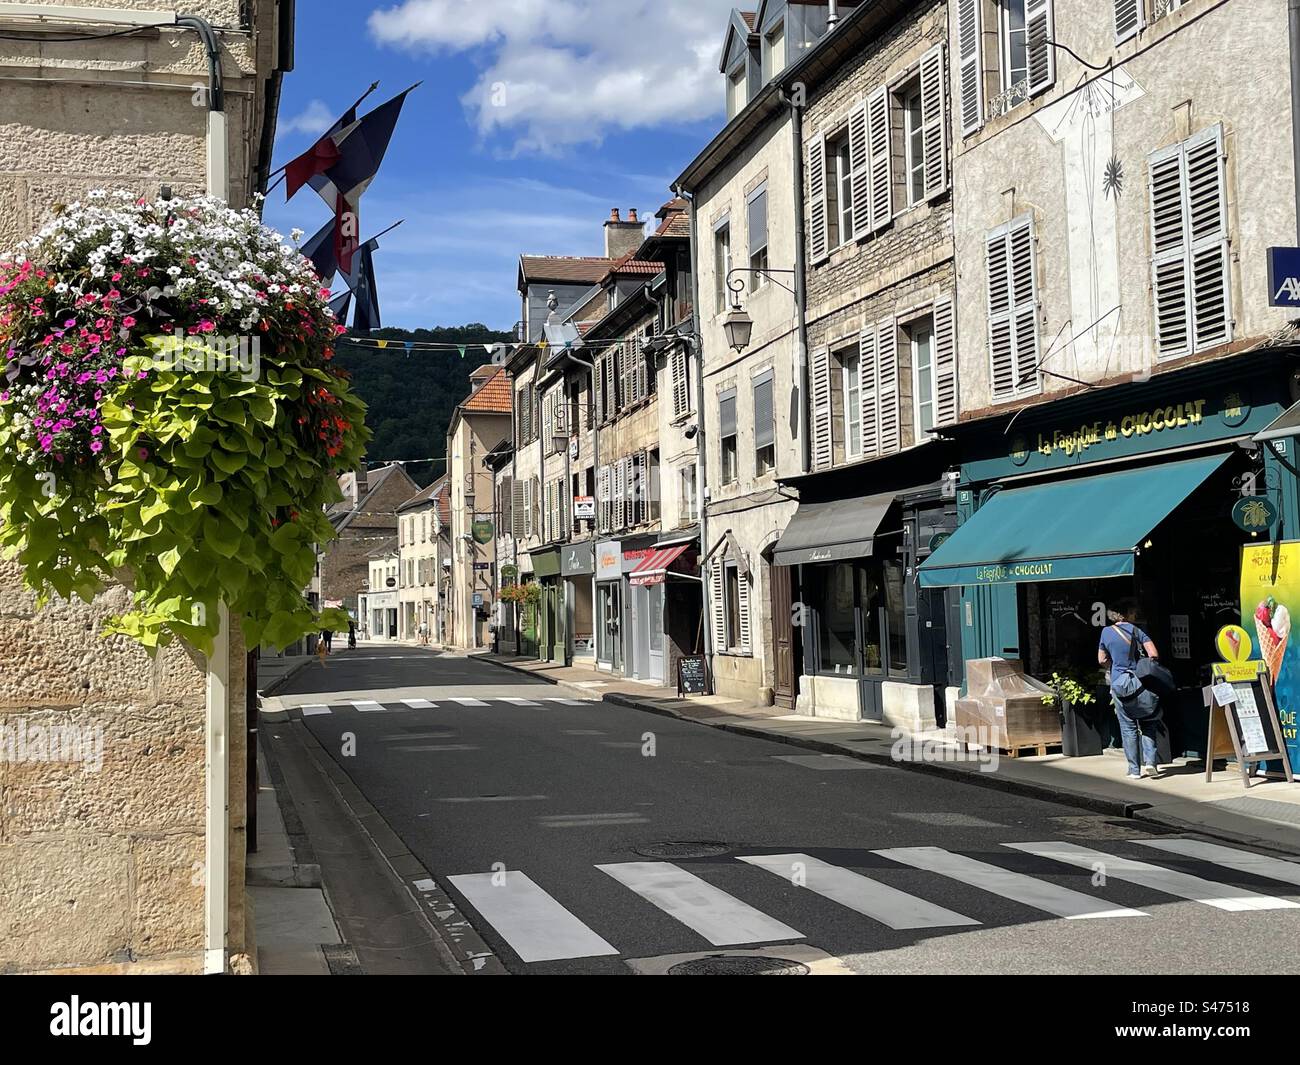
<point>831,532</point>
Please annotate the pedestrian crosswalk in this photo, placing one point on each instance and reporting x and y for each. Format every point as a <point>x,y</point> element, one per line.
<point>371,706</point>
<point>539,926</point>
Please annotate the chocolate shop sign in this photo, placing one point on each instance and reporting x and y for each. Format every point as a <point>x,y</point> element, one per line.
<point>1139,424</point>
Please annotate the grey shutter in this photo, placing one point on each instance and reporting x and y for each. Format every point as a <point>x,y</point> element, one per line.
<point>597,389</point>
<point>566,509</point>
<point>1001,348</point>
<point>945,363</point>
<point>868,379</point>
<point>818,238</point>
<point>629,488</point>
<point>1169,273</point>
<point>934,122</point>
<point>1129,18</point>
<point>1207,217</point>
<point>879,148</point>
<point>823,441</point>
<point>619,489</point>
<point>887,386</point>
<point>718,611</point>
<point>602,499</point>
<point>1024,289</point>
<point>970,44</point>
<point>859,174</point>
<point>505,489</point>
<point>536,516</point>
<point>764,412</point>
<point>642,364</point>
<point>681,386</point>
<point>518,509</point>
<point>727,414</point>
<point>1039,32</point>
<point>742,582</point>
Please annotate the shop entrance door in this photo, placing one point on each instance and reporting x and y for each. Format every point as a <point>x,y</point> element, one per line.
<point>609,620</point>
<point>654,626</point>
<point>871,644</point>
<point>782,637</point>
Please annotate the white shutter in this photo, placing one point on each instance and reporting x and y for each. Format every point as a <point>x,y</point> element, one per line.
<point>602,499</point>
<point>970,44</point>
<point>536,517</point>
<point>519,509</point>
<point>629,490</point>
<point>879,149</point>
<point>945,363</point>
<point>1024,290</point>
<point>859,174</point>
<point>1013,308</point>
<point>642,369</point>
<point>597,391</point>
<point>934,122</point>
<point>616,497</point>
<point>681,384</point>
<point>823,444</point>
<point>1207,216</point>
<point>742,582</point>
<point>566,509</point>
<point>1129,18</point>
<point>887,386</point>
<point>1039,34</point>
<point>867,381</point>
<point>1169,273</point>
<point>818,239</point>
<point>718,613</point>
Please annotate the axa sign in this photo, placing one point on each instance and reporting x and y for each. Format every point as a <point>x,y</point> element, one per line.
<point>1284,277</point>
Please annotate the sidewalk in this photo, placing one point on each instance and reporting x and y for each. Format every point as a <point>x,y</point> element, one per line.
<point>1266,815</point>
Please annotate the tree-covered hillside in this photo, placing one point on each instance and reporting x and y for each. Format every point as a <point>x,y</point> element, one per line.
<point>411,397</point>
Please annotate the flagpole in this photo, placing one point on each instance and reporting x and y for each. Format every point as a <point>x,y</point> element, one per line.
<point>373,86</point>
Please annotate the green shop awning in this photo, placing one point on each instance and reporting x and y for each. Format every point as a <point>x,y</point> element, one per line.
<point>1085,527</point>
<point>546,563</point>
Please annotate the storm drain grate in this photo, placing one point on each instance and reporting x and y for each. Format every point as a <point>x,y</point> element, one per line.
<point>729,965</point>
<point>682,849</point>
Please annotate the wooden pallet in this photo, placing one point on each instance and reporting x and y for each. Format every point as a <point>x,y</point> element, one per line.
<point>1026,750</point>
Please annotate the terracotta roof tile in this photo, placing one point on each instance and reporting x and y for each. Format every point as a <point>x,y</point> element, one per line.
<point>630,265</point>
<point>586,269</point>
<point>493,396</point>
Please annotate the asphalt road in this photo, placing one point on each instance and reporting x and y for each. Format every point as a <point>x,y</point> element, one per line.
<point>545,819</point>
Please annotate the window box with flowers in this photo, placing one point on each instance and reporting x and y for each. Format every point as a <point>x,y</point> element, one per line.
<point>170,419</point>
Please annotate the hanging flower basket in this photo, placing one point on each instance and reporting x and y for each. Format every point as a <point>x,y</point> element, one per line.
<point>169,417</point>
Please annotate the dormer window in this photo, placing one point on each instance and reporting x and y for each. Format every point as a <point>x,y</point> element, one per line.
<point>773,52</point>
<point>737,90</point>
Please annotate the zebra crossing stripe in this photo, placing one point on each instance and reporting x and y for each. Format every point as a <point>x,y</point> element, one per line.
<point>420,704</point>
<point>564,702</point>
<point>315,710</point>
<point>880,902</point>
<point>720,918</point>
<point>1170,881</point>
<point>1039,894</point>
<point>535,925</point>
<point>1229,858</point>
<point>367,706</point>
<point>465,701</point>
<point>519,702</point>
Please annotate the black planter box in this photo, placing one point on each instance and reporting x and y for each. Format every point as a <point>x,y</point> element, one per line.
<point>1085,729</point>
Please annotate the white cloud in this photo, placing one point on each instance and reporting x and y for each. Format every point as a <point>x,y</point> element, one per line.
<point>315,118</point>
<point>565,72</point>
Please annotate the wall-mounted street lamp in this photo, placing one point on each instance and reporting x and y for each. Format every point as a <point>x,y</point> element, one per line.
<point>737,324</point>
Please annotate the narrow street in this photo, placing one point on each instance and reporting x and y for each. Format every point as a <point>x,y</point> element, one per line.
<point>581,837</point>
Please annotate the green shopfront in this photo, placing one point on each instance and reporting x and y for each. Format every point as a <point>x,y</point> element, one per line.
<point>1125,493</point>
<point>551,613</point>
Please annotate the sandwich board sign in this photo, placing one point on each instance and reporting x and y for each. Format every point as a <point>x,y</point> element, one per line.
<point>1243,722</point>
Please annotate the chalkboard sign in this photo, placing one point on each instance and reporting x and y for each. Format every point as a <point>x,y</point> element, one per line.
<point>692,675</point>
<point>1244,724</point>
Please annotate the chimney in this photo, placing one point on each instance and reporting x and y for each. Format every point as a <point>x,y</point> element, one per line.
<point>361,483</point>
<point>622,237</point>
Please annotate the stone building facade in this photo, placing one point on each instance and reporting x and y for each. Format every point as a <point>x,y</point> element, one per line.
<point>103,870</point>
<point>366,520</point>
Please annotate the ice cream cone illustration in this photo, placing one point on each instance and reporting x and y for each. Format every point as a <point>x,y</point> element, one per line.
<point>1273,628</point>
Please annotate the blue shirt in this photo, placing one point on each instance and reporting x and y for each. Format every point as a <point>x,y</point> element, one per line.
<point>1120,652</point>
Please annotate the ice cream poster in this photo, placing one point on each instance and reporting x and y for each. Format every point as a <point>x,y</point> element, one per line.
<point>1270,592</point>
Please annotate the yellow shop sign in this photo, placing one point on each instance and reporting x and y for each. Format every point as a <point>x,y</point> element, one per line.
<point>1156,420</point>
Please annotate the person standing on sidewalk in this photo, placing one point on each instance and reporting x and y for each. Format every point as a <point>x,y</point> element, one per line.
<point>1137,709</point>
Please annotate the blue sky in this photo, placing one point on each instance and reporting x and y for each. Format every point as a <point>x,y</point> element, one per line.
<point>534,119</point>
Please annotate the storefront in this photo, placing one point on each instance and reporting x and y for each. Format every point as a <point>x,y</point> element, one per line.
<point>609,605</point>
<point>643,625</point>
<point>551,607</point>
<point>875,646</point>
<point>577,567</point>
<point>664,586</point>
<point>1116,496</point>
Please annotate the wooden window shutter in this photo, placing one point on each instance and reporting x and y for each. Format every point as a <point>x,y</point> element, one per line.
<point>868,382</point>
<point>536,517</point>
<point>1129,18</point>
<point>945,362</point>
<point>1001,348</point>
<point>970,43</point>
<point>507,503</point>
<point>860,173</point>
<point>887,386</point>
<point>598,389</point>
<point>642,369</point>
<point>882,209</point>
<point>518,509</point>
<point>818,238</point>
<point>823,440</point>
<point>1013,308</point>
<point>566,509</point>
<point>602,499</point>
<point>629,488</point>
<point>1207,216</point>
<point>1024,288</point>
<point>742,583</point>
<point>619,488</point>
<point>934,122</point>
<point>681,384</point>
<point>1039,37</point>
<point>718,613</point>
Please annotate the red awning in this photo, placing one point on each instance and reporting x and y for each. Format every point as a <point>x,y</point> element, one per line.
<point>653,569</point>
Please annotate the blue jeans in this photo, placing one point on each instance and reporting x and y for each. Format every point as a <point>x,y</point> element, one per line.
<point>1130,730</point>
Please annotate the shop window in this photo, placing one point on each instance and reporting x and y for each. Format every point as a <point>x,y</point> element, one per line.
<point>836,621</point>
<point>727,435</point>
<point>895,616</point>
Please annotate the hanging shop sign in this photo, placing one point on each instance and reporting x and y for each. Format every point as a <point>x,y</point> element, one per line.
<point>1270,591</point>
<point>1254,514</point>
<point>509,573</point>
<point>482,531</point>
<point>1284,277</point>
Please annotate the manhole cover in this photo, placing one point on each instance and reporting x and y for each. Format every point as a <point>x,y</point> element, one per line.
<point>726,965</point>
<point>682,849</point>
